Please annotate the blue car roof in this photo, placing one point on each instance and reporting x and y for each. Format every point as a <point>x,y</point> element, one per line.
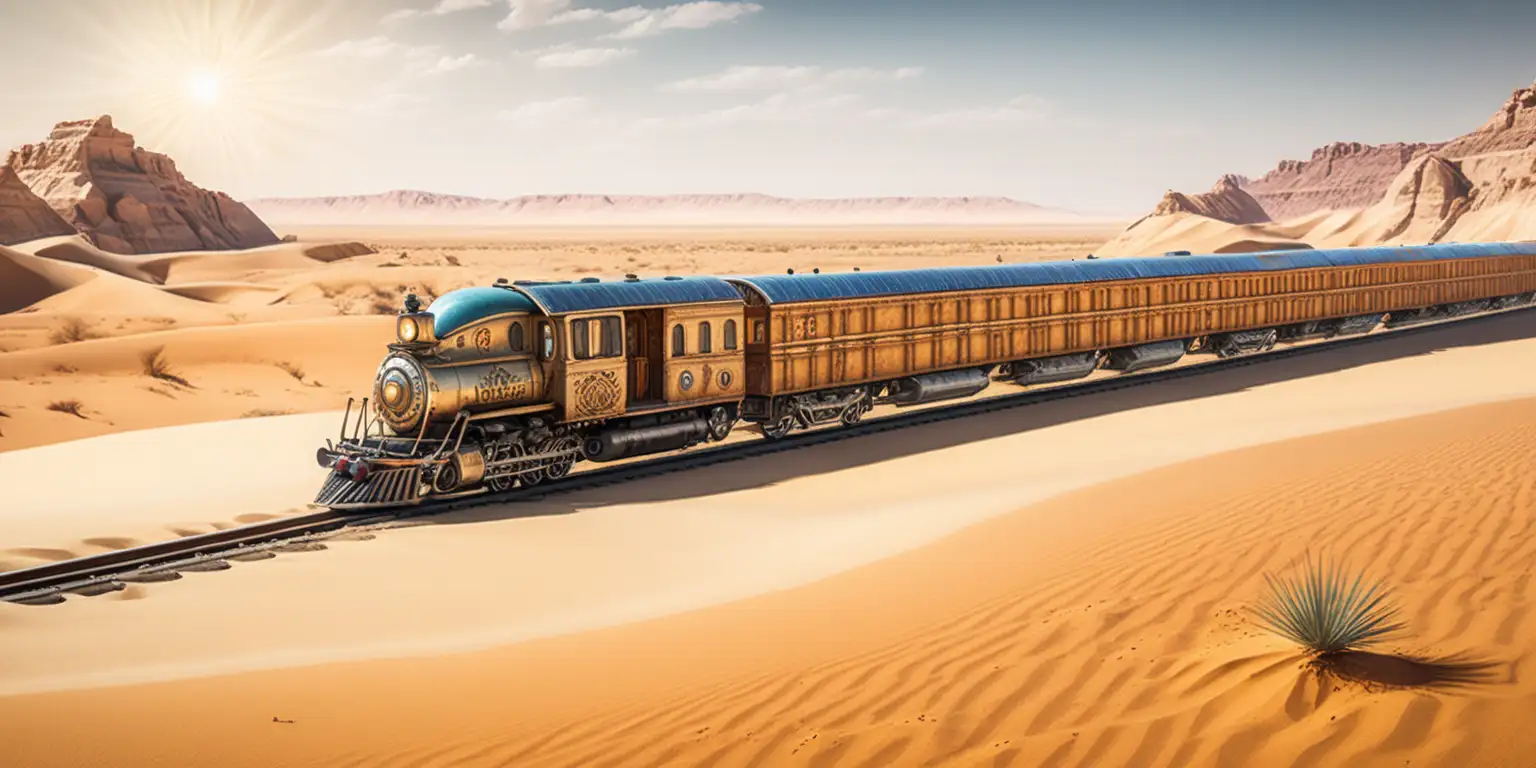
<point>784,289</point>
<point>456,309</point>
<point>565,297</point>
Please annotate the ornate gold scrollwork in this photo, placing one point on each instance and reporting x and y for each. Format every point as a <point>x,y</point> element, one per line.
<point>597,393</point>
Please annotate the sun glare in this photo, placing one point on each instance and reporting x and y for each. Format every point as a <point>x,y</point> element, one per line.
<point>204,87</point>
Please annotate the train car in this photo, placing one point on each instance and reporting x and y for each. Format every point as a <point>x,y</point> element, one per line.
<point>827,347</point>
<point>515,383</point>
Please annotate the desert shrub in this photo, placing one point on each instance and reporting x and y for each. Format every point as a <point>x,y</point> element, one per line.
<point>293,369</point>
<point>71,407</point>
<point>262,412</point>
<point>1327,611</point>
<point>74,329</point>
<point>157,366</point>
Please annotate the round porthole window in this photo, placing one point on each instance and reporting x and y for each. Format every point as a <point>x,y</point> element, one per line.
<point>685,380</point>
<point>725,379</point>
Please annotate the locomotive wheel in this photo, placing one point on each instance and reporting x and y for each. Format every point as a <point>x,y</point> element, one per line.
<point>779,428</point>
<point>720,423</point>
<point>499,451</point>
<point>561,467</point>
<point>534,477</point>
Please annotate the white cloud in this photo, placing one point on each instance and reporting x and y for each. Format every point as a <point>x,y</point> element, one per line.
<point>567,57</point>
<point>528,14</point>
<point>452,63</point>
<point>762,78</point>
<point>695,15</point>
<point>376,47</point>
<point>639,21</point>
<point>543,112</point>
<point>442,8</point>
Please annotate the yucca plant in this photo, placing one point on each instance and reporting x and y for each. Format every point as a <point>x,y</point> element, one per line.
<point>1327,611</point>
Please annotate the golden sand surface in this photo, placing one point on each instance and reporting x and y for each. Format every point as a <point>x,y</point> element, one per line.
<point>1063,585</point>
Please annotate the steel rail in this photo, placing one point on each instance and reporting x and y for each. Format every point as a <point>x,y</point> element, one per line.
<point>96,574</point>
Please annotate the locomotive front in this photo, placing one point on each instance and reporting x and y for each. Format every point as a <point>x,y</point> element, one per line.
<point>459,379</point>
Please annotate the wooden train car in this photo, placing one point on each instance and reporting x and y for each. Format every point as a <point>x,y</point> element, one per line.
<point>829,345</point>
<point>516,383</point>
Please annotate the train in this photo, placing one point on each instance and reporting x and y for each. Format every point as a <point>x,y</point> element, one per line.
<point>513,384</point>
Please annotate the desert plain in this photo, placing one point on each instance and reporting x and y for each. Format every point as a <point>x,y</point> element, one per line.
<point>1068,584</point>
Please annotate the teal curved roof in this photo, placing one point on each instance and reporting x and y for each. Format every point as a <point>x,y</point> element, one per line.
<point>784,289</point>
<point>456,309</point>
<point>558,298</point>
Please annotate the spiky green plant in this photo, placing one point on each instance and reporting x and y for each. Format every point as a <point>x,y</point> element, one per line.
<point>1326,610</point>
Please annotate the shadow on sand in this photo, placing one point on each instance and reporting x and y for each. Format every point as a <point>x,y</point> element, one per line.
<point>1377,671</point>
<point>854,452</point>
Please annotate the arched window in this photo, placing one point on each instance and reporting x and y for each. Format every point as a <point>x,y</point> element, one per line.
<point>515,337</point>
<point>730,334</point>
<point>679,341</point>
<point>546,341</point>
<point>704,341</point>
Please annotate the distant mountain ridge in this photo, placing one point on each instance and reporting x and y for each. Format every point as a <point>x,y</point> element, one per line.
<point>1479,186</point>
<point>419,207</point>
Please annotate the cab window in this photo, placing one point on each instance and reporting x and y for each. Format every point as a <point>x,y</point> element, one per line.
<point>679,341</point>
<point>611,341</point>
<point>581,340</point>
<point>730,334</point>
<point>705,344</point>
<point>546,341</point>
<point>757,331</point>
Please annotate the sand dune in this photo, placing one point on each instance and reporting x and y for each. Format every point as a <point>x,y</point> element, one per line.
<point>82,318</point>
<point>1100,627</point>
<point>26,279</point>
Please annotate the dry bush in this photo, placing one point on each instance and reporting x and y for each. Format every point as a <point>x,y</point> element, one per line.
<point>71,407</point>
<point>156,366</point>
<point>62,368</point>
<point>261,412</point>
<point>453,261</point>
<point>293,370</point>
<point>1326,610</point>
<point>74,329</point>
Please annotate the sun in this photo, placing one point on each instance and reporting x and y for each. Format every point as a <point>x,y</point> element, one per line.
<point>204,88</point>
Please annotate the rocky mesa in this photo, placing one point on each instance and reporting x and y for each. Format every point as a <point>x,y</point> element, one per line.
<point>127,199</point>
<point>1478,186</point>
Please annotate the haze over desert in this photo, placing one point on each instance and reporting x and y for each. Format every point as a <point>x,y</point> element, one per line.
<point>218,221</point>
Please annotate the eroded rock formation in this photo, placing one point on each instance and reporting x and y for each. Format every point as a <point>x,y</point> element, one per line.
<point>1227,201</point>
<point>130,200</point>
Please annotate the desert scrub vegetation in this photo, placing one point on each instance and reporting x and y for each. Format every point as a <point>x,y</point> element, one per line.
<point>156,366</point>
<point>1326,610</point>
<point>72,330</point>
<point>263,412</point>
<point>71,407</point>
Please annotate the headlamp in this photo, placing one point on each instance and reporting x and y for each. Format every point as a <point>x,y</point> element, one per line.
<point>408,330</point>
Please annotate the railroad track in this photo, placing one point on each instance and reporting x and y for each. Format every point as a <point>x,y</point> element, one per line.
<point>164,561</point>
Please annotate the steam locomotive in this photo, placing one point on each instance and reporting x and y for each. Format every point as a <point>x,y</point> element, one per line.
<point>514,383</point>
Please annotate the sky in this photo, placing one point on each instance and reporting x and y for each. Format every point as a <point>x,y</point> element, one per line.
<point>1098,106</point>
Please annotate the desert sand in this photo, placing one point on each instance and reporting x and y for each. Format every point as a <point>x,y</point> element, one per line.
<point>1062,585</point>
<point>299,327</point>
